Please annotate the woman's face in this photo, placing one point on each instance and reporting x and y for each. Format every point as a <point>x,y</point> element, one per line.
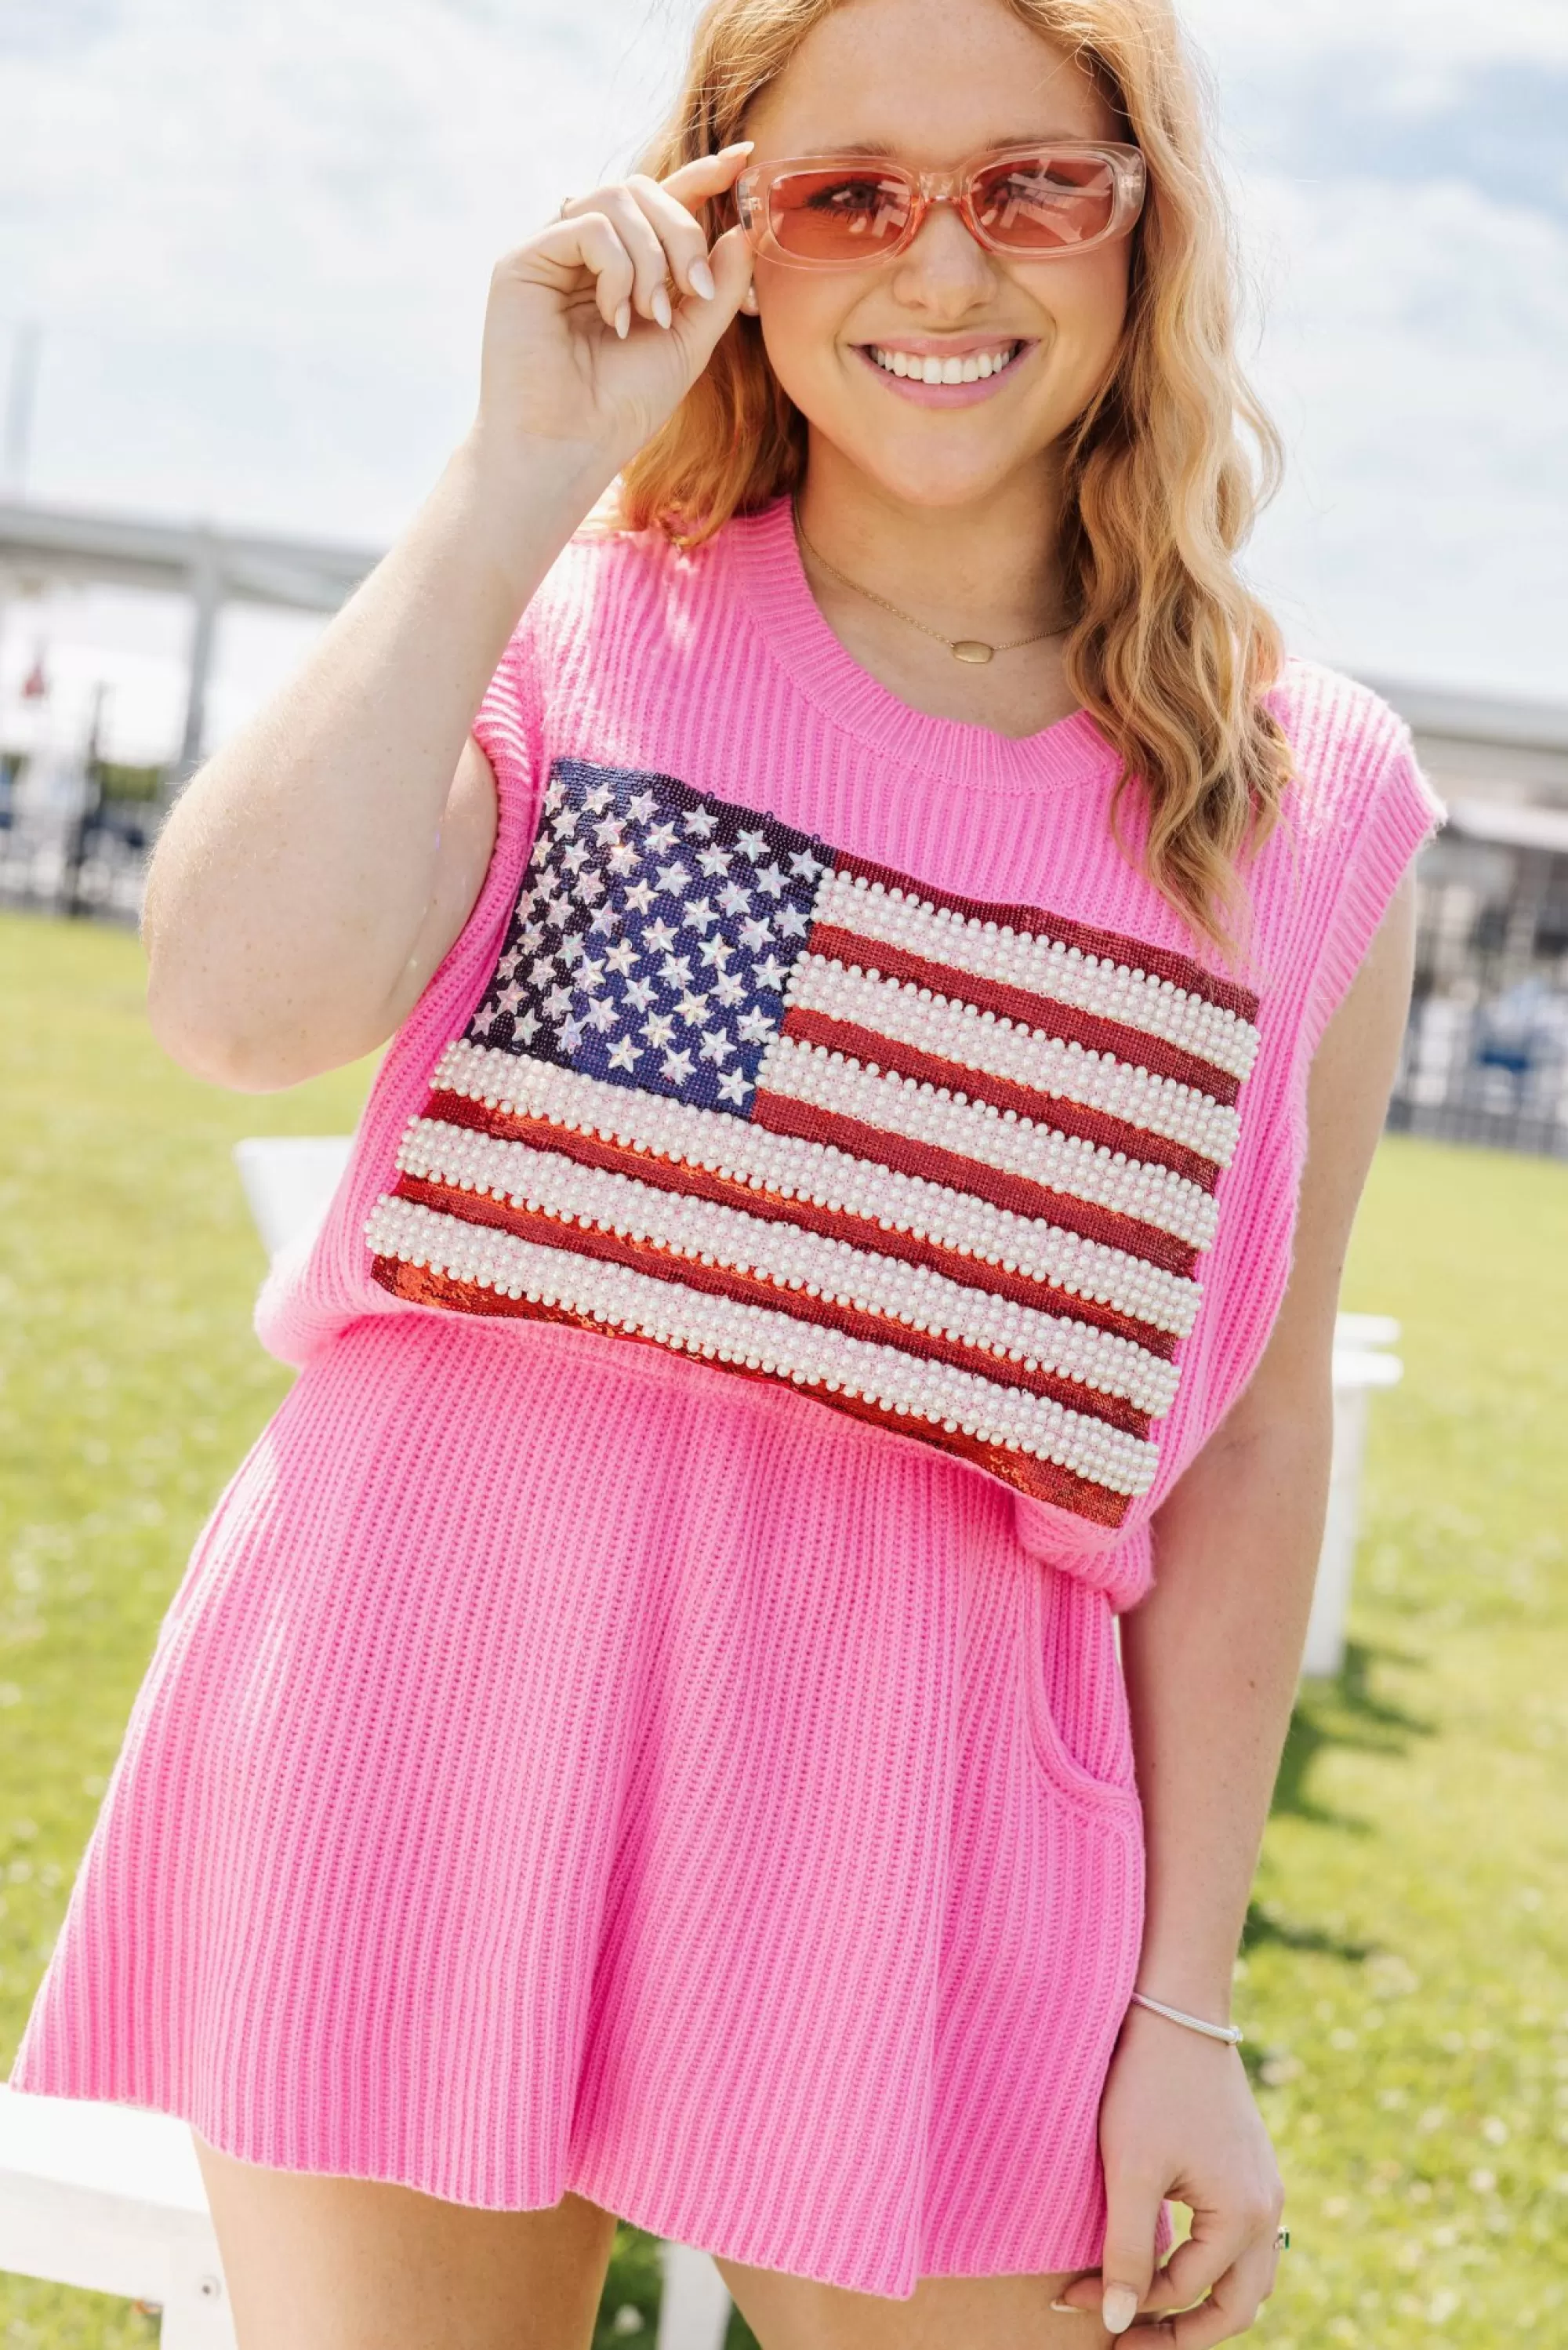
<point>931,83</point>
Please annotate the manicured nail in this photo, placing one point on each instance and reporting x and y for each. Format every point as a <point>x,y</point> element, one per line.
<point>1065,2308</point>
<point>623,320</point>
<point>661,306</point>
<point>1118,2308</point>
<point>701,278</point>
<point>740,146</point>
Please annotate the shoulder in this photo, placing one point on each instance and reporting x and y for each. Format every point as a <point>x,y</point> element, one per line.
<point>1342,736</point>
<point>606,580</point>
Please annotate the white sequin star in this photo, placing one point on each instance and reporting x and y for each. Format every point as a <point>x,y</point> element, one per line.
<point>659,937</point>
<point>733,899</point>
<point>660,840</point>
<point>524,1025</point>
<point>640,994</point>
<point>733,1086</point>
<point>791,921</point>
<point>622,1054</point>
<point>715,953</point>
<point>605,922</point>
<point>698,915</point>
<point>639,896</point>
<point>804,863</point>
<point>675,971</point>
<point>673,879</point>
<point>754,934</point>
<point>572,1033</point>
<point>700,822</point>
<point>621,957</point>
<point>715,1048</point>
<point>676,1067</point>
<point>599,799</point>
<point>640,808</point>
<point>753,1027</point>
<point>660,1030</point>
<point>752,844</point>
<point>730,987</point>
<point>558,1002</point>
<point>622,858</point>
<point>770,877</point>
<point>771,974</point>
<point>692,1009</point>
<point>602,1013</point>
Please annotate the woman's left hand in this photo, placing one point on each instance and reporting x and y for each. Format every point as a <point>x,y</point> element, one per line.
<point>1178,2117</point>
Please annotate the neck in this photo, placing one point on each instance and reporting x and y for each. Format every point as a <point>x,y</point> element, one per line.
<point>988,567</point>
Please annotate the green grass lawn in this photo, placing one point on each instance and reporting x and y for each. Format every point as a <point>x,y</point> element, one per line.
<point>1403,1984</point>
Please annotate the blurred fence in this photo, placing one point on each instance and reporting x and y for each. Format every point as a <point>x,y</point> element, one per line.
<point>1486,1053</point>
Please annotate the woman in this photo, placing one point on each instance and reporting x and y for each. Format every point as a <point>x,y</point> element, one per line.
<point>890,983</point>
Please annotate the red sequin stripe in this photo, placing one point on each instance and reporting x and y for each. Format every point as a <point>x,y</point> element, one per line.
<point>661,1263</point>
<point>772,1207</point>
<point>1020,1004</point>
<point>779,1113</point>
<point>1179,969</point>
<point>1042,1480</point>
<point>1056,1111</point>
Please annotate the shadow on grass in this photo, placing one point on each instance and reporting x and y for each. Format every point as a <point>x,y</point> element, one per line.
<point>1344,1713</point>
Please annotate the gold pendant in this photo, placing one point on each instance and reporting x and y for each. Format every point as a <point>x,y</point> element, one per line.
<point>972,649</point>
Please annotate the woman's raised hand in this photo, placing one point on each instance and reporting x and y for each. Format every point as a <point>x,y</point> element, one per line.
<point>599,325</point>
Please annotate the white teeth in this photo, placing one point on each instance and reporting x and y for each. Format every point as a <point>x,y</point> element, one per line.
<point>976,366</point>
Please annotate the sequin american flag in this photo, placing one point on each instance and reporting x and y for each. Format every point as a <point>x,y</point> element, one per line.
<point>946,1165</point>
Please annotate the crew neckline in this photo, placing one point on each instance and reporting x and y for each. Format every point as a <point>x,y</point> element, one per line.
<point>776,594</point>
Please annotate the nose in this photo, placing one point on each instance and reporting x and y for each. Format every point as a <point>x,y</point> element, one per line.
<point>944,269</point>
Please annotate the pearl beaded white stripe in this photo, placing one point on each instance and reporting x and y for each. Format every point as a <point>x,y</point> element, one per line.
<point>829,1178</point>
<point>833,1270</point>
<point>996,1137</point>
<point>1044,965</point>
<point>989,1042</point>
<point>756,1338</point>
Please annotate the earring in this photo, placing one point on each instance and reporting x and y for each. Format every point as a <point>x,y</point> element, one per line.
<point>749,301</point>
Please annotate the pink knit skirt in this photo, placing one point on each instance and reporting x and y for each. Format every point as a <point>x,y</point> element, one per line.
<point>564,1770</point>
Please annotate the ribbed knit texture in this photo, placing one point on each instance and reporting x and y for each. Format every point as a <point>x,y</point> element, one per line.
<point>566,1765</point>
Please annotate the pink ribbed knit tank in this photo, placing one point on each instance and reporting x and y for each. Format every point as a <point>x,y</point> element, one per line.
<point>645,1716</point>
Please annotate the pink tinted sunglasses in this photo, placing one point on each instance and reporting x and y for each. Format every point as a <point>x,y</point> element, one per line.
<point>1040,202</point>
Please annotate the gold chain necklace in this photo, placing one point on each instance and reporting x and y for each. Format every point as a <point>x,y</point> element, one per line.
<point>973,649</point>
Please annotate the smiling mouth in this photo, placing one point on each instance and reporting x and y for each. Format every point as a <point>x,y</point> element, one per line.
<point>925,366</point>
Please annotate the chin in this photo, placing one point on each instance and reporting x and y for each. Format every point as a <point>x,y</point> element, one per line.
<point>936,478</point>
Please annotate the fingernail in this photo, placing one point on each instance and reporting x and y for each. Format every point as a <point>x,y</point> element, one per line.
<point>661,306</point>
<point>740,146</point>
<point>701,278</point>
<point>1065,2308</point>
<point>1118,2308</point>
<point>623,320</point>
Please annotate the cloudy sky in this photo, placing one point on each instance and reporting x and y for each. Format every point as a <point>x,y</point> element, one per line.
<point>257,238</point>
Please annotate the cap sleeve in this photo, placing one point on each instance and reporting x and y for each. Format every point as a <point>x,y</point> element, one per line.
<point>1399,815</point>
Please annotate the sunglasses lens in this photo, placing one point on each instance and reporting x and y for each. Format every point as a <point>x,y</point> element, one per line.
<point>839,215</point>
<point>1046,204</point>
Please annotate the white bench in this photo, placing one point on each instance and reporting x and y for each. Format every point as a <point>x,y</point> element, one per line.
<point>110,2198</point>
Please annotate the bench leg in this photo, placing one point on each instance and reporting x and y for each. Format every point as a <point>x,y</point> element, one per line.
<point>696,2310</point>
<point>196,2314</point>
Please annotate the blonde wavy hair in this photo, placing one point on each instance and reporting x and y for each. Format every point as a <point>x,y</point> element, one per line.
<point>1165,469</point>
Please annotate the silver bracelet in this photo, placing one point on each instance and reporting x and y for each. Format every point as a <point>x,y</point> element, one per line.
<point>1231,2032</point>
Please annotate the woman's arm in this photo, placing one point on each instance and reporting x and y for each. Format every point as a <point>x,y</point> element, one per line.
<point>314,872</point>
<point>1212,1659</point>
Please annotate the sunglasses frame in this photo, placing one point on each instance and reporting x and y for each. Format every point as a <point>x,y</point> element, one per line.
<point>754,192</point>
